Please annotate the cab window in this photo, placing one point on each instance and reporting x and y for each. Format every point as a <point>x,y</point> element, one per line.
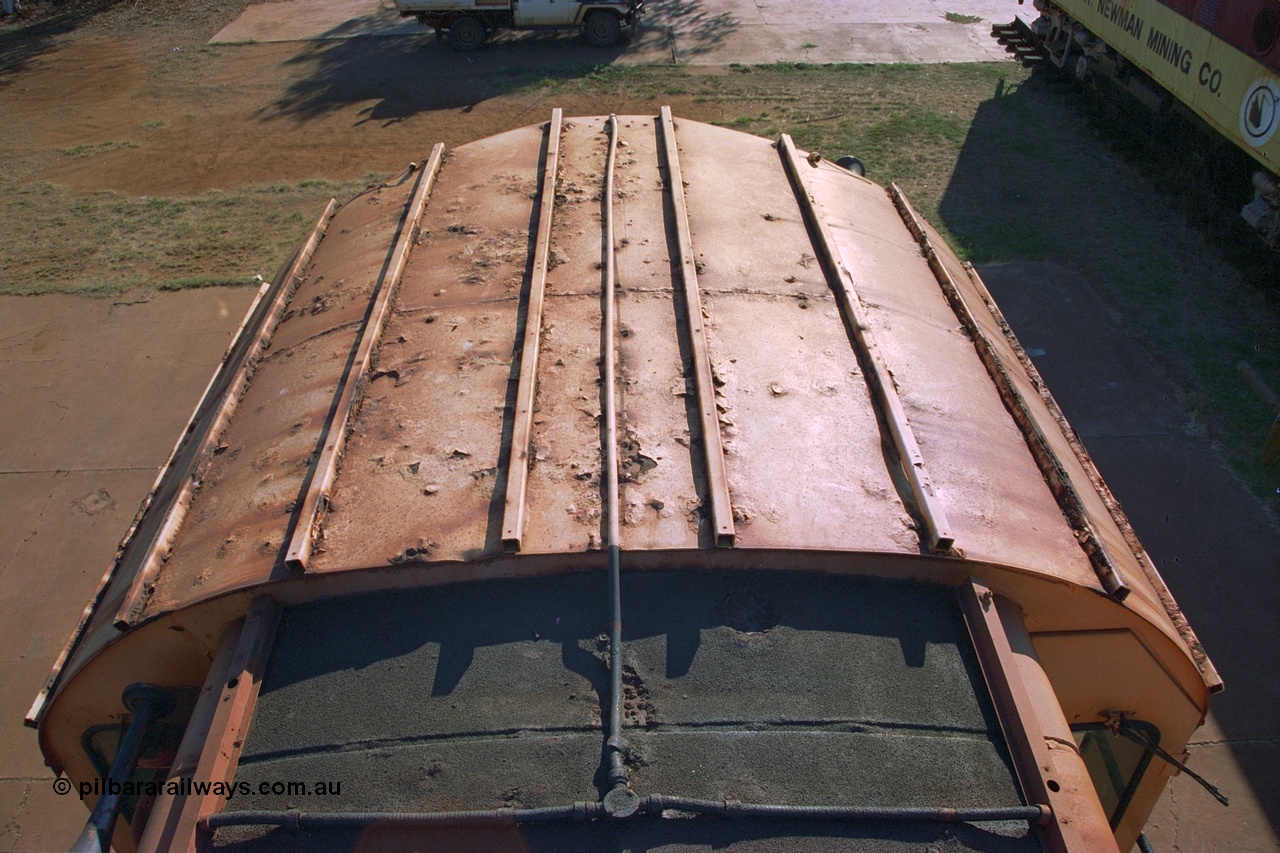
<point>1115,763</point>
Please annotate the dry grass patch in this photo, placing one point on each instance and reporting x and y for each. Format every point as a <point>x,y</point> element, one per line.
<point>107,242</point>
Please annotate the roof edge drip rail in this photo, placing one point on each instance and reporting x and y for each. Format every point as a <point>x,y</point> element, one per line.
<point>131,610</point>
<point>722,523</point>
<point>334,436</point>
<point>1051,466</point>
<point>1207,670</point>
<point>513,511</point>
<point>226,386</point>
<point>937,529</point>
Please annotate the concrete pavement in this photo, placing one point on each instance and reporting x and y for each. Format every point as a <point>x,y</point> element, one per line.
<point>92,400</point>
<point>700,32</point>
<point>1213,543</point>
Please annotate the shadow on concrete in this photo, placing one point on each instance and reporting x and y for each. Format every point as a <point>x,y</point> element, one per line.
<point>1024,188</point>
<point>406,75</point>
<point>1212,541</point>
<point>28,35</point>
<point>695,30</point>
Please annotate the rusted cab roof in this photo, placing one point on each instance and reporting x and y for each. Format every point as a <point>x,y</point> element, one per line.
<point>804,369</point>
<point>808,383</point>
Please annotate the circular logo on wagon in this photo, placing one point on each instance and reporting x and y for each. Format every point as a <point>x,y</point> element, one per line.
<point>1260,112</point>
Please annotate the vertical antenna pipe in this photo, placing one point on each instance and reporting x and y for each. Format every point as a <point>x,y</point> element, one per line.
<point>609,362</point>
<point>620,801</point>
<point>608,367</point>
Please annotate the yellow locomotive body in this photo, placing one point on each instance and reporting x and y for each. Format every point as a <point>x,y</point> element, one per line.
<point>1220,62</point>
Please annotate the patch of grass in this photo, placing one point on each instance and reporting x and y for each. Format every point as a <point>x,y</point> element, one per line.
<point>98,148</point>
<point>916,123</point>
<point>183,62</point>
<point>744,122</point>
<point>956,18</point>
<point>640,81</point>
<point>195,282</point>
<point>106,242</point>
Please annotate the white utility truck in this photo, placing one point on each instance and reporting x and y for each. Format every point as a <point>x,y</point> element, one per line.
<point>468,23</point>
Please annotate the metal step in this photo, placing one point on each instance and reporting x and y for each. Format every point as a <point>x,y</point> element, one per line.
<point>1019,40</point>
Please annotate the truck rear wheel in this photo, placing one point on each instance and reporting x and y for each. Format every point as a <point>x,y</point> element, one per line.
<point>466,33</point>
<point>602,29</point>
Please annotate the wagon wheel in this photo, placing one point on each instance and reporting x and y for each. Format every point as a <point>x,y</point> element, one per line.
<point>602,29</point>
<point>466,33</point>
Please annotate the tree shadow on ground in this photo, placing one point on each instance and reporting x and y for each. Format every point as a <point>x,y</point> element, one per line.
<point>406,75</point>
<point>34,32</point>
<point>694,31</point>
<point>1110,274</point>
<point>409,74</point>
